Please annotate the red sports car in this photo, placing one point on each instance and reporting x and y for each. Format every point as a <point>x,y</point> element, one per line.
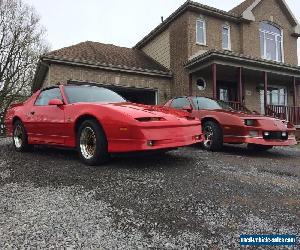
<point>98,122</point>
<point>221,124</point>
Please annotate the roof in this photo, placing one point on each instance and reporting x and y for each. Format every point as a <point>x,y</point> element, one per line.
<point>107,55</point>
<point>240,13</point>
<point>188,5</point>
<point>245,11</point>
<point>242,60</point>
<point>239,9</point>
<point>100,56</point>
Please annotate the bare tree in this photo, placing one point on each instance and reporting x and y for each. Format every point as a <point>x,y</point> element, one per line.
<point>21,44</point>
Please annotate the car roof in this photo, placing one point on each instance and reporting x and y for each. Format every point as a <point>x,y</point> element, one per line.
<point>72,84</point>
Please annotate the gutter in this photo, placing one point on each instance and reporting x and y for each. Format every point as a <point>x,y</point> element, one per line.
<point>39,75</point>
<point>227,57</point>
<point>110,67</point>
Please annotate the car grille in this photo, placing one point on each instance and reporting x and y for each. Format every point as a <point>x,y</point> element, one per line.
<point>276,135</point>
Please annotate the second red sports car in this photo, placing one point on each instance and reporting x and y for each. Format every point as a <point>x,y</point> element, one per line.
<point>97,122</point>
<point>221,124</point>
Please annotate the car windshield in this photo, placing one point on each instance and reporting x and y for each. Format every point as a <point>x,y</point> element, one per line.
<point>207,103</point>
<point>91,94</point>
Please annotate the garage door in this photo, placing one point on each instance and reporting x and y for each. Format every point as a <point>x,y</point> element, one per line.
<point>137,95</point>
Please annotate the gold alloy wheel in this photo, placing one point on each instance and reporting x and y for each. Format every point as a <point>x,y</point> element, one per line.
<point>88,143</point>
<point>18,136</point>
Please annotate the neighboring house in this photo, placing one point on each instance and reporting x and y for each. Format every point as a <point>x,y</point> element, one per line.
<point>246,56</point>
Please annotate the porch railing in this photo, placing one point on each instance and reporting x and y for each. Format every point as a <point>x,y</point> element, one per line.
<point>289,113</point>
<point>236,105</point>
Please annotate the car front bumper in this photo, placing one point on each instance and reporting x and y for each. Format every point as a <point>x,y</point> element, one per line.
<point>156,138</point>
<point>259,141</point>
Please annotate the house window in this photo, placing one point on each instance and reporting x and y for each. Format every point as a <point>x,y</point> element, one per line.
<point>226,41</point>
<point>201,84</point>
<point>201,32</point>
<point>271,42</point>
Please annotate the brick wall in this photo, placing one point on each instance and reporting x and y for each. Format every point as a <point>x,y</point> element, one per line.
<point>179,55</point>
<point>62,73</point>
<point>208,91</point>
<point>159,48</point>
<point>244,39</point>
<point>213,34</point>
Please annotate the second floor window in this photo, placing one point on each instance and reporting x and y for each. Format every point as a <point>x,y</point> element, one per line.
<point>226,42</point>
<point>271,42</point>
<point>201,32</point>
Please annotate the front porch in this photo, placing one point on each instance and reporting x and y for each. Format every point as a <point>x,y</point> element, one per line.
<point>262,86</point>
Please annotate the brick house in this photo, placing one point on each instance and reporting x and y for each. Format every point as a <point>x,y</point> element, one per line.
<point>246,56</point>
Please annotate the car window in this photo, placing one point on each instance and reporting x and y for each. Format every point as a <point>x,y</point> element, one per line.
<point>206,103</point>
<point>179,103</point>
<point>87,93</point>
<point>46,95</point>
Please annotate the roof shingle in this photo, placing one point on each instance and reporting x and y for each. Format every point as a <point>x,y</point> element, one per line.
<point>107,55</point>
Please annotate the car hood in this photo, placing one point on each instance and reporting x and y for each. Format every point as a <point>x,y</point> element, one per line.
<point>244,115</point>
<point>267,122</point>
<point>140,110</point>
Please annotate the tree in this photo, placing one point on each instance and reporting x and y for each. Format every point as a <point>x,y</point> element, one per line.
<point>21,44</point>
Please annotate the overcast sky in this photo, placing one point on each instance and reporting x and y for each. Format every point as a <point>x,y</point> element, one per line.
<point>120,22</point>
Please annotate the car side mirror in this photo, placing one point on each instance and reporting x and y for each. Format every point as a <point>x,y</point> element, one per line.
<point>56,102</point>
<point>188,108</point>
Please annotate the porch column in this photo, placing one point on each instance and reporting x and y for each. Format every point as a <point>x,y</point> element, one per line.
<point>240,85</point>
<point>265,90</point>
<point>190,85</point>
<point>295,92</point>
<point>214,79</point>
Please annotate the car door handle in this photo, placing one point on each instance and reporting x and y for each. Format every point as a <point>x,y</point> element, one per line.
<point>32,112</point>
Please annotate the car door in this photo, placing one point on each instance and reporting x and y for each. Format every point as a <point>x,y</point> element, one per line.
<point>48,121</point>
<point>198,110</point>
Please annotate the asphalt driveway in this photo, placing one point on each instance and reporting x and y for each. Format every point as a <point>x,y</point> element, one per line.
<point>188,198</point>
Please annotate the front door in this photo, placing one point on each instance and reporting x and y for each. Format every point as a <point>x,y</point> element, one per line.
<point>227,91</point>
<point>275,96</point>
<point>48,121</point>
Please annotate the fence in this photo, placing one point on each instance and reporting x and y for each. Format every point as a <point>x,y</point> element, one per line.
<point>291,114</point>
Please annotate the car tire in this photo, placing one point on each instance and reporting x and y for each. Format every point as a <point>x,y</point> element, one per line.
<point>20,138</point>
<point>213,136</point>
<point>92,143</point>
<point>256,147</point>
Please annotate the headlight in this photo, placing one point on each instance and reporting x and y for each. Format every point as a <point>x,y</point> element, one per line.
<point>249,122</point>
<point>266,133</point>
